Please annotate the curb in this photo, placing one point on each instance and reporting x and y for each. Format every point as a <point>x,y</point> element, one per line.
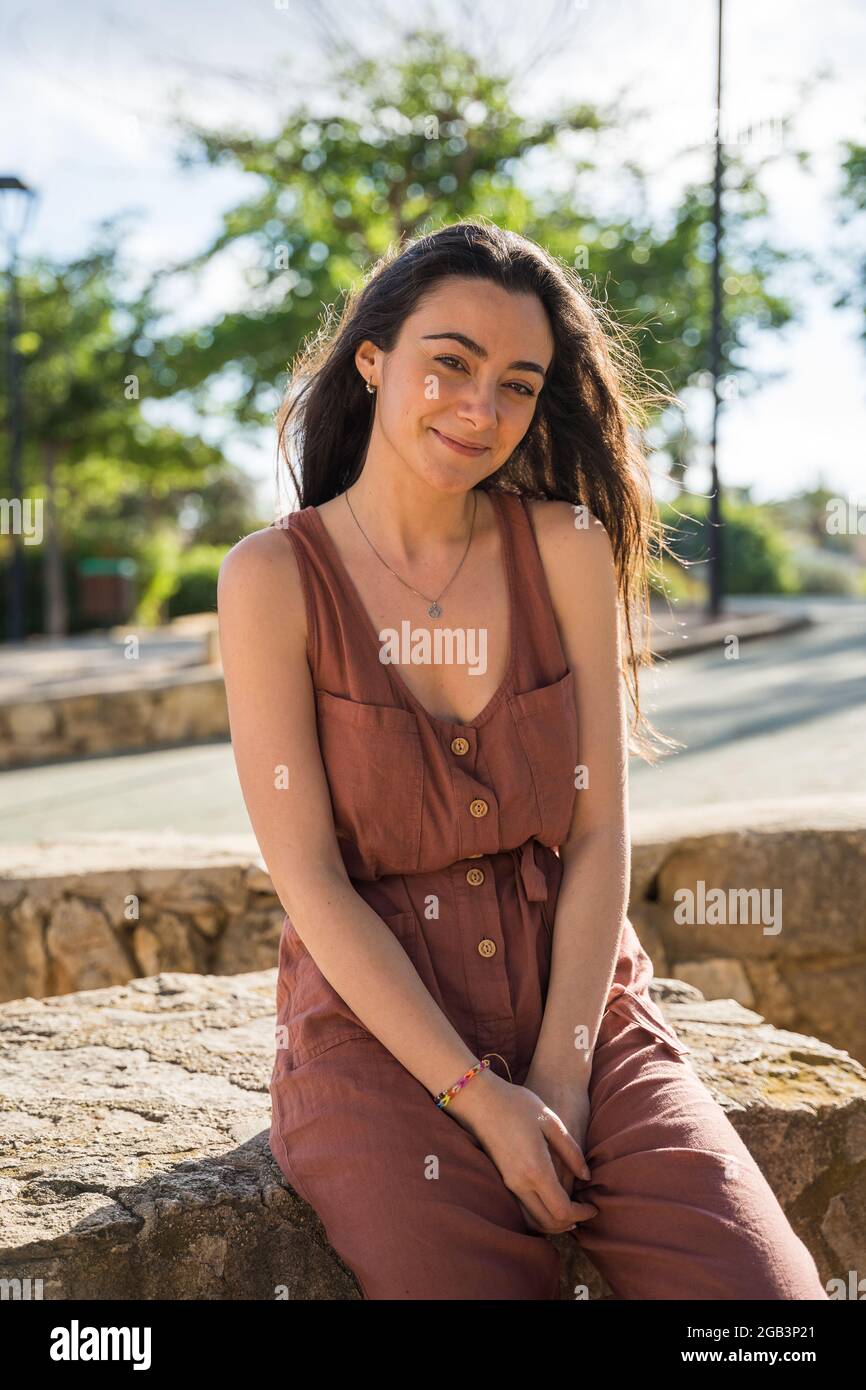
<point>745,626</point>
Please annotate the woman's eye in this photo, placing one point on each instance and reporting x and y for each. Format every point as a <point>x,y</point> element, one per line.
<point>523,390</point>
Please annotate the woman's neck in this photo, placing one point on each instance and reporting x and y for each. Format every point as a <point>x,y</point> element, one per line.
<point>411,517</point>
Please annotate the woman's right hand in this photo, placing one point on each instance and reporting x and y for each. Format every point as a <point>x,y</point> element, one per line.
<point>517,1131</point>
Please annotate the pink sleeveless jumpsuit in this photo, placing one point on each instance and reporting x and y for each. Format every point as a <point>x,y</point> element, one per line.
<point>448,832</point>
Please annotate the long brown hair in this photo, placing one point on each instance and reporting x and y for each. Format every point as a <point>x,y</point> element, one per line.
<point>585,442</point>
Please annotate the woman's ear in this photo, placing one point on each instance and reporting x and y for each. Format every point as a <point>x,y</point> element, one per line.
<point>366,355</point>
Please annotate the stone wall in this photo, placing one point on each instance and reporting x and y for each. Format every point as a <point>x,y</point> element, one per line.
<point>84,914</point>
<point>185,706</point>
<point>97,912</point>
<point>135,1124</point>
<point>810,975</point>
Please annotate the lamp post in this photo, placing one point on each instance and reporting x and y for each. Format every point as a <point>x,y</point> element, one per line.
<point>16,202</point>
<point>714,536</point>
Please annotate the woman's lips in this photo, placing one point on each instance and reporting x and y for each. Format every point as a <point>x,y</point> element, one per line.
<point>457,446</point>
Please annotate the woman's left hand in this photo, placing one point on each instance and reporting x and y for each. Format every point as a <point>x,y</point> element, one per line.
<point>571,1103</point>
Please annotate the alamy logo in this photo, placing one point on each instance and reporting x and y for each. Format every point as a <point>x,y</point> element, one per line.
<point>20,1288</point>
<point>76,1343</point>
<point>854,1288</point>
<point>846,516</point>
<point>729,907</point>
<point>22,517</point>
<point>444,646</point>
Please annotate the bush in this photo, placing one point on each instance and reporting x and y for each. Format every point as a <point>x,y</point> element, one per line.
<point>756,556</point>
<point>813,577</point>
<point>34,590</point>
<point>196,581</point>
<point>170,582</point>
<point>675,584</point>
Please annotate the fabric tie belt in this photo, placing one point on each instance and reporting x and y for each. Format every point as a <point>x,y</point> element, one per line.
<point>621,999</point>
<point>626,1001</point>
<point>531,875</point>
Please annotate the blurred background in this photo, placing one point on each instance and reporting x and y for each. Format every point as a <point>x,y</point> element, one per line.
<point>185,188</point>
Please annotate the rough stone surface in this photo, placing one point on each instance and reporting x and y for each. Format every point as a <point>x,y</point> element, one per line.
<point>135,1160</point>
<point>718,979</point>
<point>134,1138</point>
<point>83,914</point>
<point>809,975</point>
<point>144,711</point>
<point>101,909</point>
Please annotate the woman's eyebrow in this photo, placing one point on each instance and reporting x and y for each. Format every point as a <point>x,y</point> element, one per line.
<point>481,352</point>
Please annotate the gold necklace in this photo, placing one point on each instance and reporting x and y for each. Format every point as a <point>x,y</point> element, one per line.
<point>434,610</point>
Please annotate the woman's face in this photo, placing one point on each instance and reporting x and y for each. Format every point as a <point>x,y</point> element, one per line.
<point>468,366</point>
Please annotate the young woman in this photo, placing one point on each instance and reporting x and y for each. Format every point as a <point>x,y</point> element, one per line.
<point>424,673</point>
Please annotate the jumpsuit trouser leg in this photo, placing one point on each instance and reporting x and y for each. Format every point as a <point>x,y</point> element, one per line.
<point>684,1210</point>
<point>417,1209</point>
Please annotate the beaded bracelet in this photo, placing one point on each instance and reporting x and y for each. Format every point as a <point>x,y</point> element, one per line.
<point>445,1097</point>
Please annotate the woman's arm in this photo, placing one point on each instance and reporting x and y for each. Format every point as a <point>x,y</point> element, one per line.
<point>593,897</point>
<point>272,714</point>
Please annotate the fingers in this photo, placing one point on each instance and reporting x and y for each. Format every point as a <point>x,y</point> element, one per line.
<point>551,1203</point>
<point>564,1175</point>
<point>565,1146</point>
<point>566,1178</point>
<point>562,1208</point>
<point>536,1214</point>
<point>539,1217</point>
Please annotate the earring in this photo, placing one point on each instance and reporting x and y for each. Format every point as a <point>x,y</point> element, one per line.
<point>371,388</point>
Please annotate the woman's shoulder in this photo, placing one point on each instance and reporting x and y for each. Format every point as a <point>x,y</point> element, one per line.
<point>580,569</point>
<point>264,552</point>
<point>260,575</point>
<point>568,533</point>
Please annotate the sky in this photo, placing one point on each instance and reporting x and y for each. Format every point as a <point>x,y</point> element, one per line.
<point>90,91</point>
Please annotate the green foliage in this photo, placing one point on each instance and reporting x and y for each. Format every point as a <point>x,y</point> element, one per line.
<point>756,556</point>
<point>87,379</point>
<point>674,584</point>
<point>196,581</point>
<point>432,138</point>
<point>406,146</point>
<point>815,576</point>
<point>161,556</point>
<point>851,207</point>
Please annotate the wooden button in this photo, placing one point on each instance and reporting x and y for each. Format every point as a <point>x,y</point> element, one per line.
<point>478,808</point>
<point>475,877</point>
<point>460,746</point>
<point>486,947</point>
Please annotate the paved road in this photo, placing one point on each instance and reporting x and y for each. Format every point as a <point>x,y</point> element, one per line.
<point>785,719</point>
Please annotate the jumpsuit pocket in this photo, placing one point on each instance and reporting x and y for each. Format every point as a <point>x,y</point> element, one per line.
<point>318,1017</point>
<point>639,1009</point>
<point>546,721</point>
<point>375,769</point>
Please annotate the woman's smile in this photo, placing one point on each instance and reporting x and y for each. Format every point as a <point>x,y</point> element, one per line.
<point>458,446</point>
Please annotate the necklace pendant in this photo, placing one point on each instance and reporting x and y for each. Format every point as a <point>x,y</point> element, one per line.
<point>434,611</point>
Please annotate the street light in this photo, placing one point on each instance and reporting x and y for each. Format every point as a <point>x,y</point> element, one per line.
<point>714,532</point>
<point>16,204</point>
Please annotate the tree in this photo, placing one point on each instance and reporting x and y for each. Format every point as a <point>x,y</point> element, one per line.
<point>107,475</point>
<point>433,138</point>
<point>851,206</point>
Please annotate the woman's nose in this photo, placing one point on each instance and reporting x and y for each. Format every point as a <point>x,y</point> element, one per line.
<point>478,404</point>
